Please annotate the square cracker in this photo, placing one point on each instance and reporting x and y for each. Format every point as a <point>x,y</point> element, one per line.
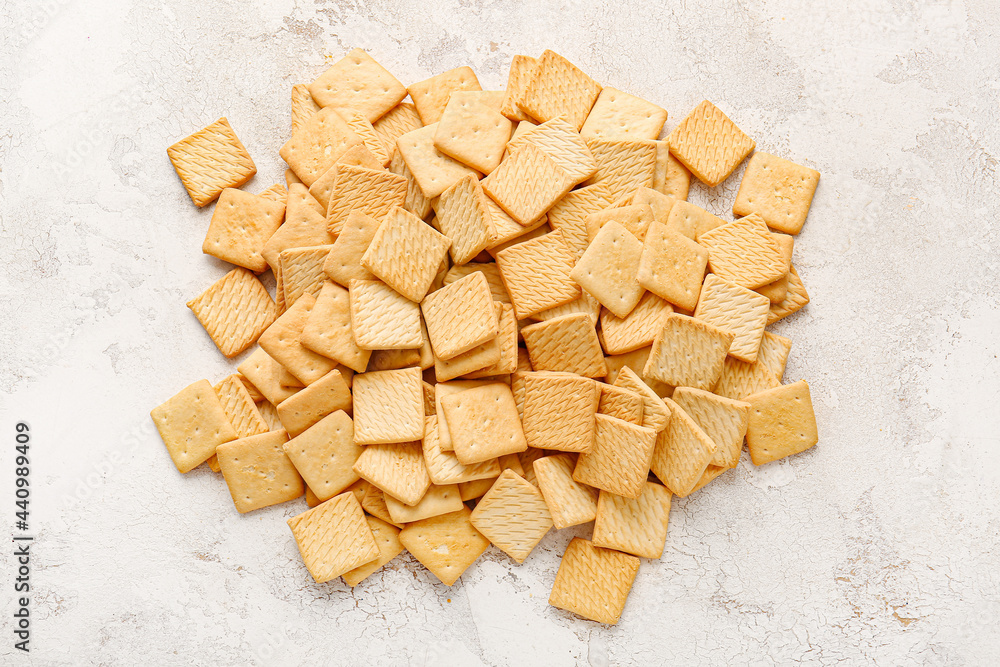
<point>383,319</point>
<point>724,420</point>
<point>483,423</point>
<point>536,274</point>
<point>478,358</point>
<point>570,503</point>
<point>635,330</point>
<point>388,407</point>
<point>446,545</point>
<point>709,144</point>
<point>527,183</point>
<point>568,343</point>
<point>211,160</point>
<point>512,515</point>
<point>593,582</point>
<point>711,472</point>
<point>682,453</point>
<point>358,157</point>
<point>585,304</point>
<point>364,129</point>
<point>782,422</point>
<point>672,266</point>
<point>302,272</point>
<point>740,379</point>
<point>636,218</point>
<point>357,82</point>
<point>559,88</point>
<point>401,119</point>
<point>618,115</point>
<point>328,330</point>
<point>623,164</point>
<point>464,217</point>
<point>303,409</point>
<point>460,316</point>
<point>343,262</point>
<point>521,70</point>
<point>281,342</point>
<point>559,411</point>
<point>318,143</point>
<point>446,388</point>
<point>569,215</point>
<point>506,340</point>
<point>795,298</point>
<point>434,171</point>
<point>778,190</point>
<point>431,95</point>
<point>620,403</point>
<point>691,221</point>
<point>636,526</point>
<point>272,379</point>
<point>387,538</point>
<point>608,268</point>
<point>397,469</point>
<point>416,202</point>
<point>560,141</point>
<point>655,413</point>
<point>405,254</point>
<point>192,423</point>
<point>270,415</point>
<point>744,252</point>
<point>325,453</point>
<point>334,537</point>
<point>235,311</point>
<point>488,269</point>
<point>257,471</point>
<point>444,467</point>
<point>735,309</point>
<point>619,460</point>
<point>375,193</point>
<point>239,407</point>
<point>241,225</point>
<point>438,500</point>
<point>688,353</point>
<point>472,132</point>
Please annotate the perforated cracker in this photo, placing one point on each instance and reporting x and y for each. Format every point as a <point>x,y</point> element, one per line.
<point>672,266</point>
<point>257,471</point>
<point>593,582</point>
<point>506,340</point>
<point>304,226</point>
<point>444,467</point>
<point>488,269</point>
<point>334,538</point>
<point>211,160</point>
<point>608,268</point>
<point>317,144</point>
<point>737,310</point>
<point>512,515</point>
<point>235,311</point>
<point>483,423</point>
<point>325,453</point>
<point>446,545</point>
<point>438,500</point>
<point>568,343</point>
<point>795,299</point>
<point>388,407</point>
<point>777,189</point>
<point>431,95</point>
<point>688,352</point>
<point>241,225</point>
<point>709,144</point>
<point>282,342</point>
<point>782,422</point>
<point>692,221</point>
<point>773,353</point>
<point>272,379</point>
<point>358,82</point>
<point>405,254</point>
<point>670,176</point>
<point>324,396</point>
<point>460,316</point>
<point>191,424</point>
<point>472,131</point>
<point>619,459</point>
<point>343,262</point>
<point>619,115</point>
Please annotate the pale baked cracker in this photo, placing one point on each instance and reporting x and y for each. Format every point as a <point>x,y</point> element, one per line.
<point>559,88</point>
<point>512,515</point>
<point>291,178</point>
<point>304,106</point>
<point>777,291</point>
<point>710,474</point>
<point>281,342</point>
<point>387,539</point>
<point>463,216</point>
<point>272,379</point>
<point>388,360</point>
<point>682,452</point>
<point>795,299</point>
<point>375,193</point>
<point>460,316</point>
<point>483,423</point>
<point>521,70</point>
<point>527,183</point>
<point>688,352</point>
<point>585,304</point>
<point>488,269</point>
<point>655,413</point>
<point>192,423</point>
<point>558,139</point>
<point>328,330</point>
<point>388,407</point>
<point>569,215</point>
<point>670,176</point>
<point>507,231</point>
<point>446,545</point>
<point>317,144</point>
<point>252,391</point>
<point>383,319</point>
<point>570,503</point>
<point>399,120</point>
<point>527,459</point>
<point>343,262</point>
<point>744,252</point>
<point>619,459</point>
<point>737,310</point>
<point>304,226</point>
<point>593,582</point>
<point>257,471</point>
<point>621,403</point>
<point>433,171</point>
<point>405,254</point>
<point>311,499</point>
<point>778,190</point>
<point>444,467</point>
<point>672,266</point>
<point>559,411</point>
<point>635,218</point>
<point>709,144</point>
<point>269,414</point>
<point>431,95</point>
<point>740,379</point>
<point>239,407</point>
<point>276,192</point>
<point>773,353</point>
<point>374,503</point>
<point>235,311</point>
<point>446,388</point>
<point>302,272</point>
<point>357,82</point>
<point>397,469</point>
<point>325,453</point>
<point>782,422</point>
<point>622,164</point>
<point>334,538</point>
<point>568,343</point>
<point>635,330</point>
<point>324,396</point>
<point>636,526</point>
<point>211,160</point>
<point>357,156</point>
<point>724,420</point>
<point>619,115</point>
<point>608,268</point>
<point>536,274</point>
<point>507,341</point>
<point>241,224</point>
<point>659,204</point>
<point>364,129</point>
<point>438,500</point>
<point>692,221</point>
<point>472,132</point>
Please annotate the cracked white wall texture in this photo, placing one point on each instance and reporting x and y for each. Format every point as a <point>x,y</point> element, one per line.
<point>879,546</point>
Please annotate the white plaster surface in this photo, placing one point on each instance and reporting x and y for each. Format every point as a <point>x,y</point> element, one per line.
<point>879,546</point>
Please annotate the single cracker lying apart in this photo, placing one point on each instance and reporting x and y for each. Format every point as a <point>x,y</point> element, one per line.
<point>192,424</point>
<point>593,582</point>
<point>782,422</point>
<point>211,160</point>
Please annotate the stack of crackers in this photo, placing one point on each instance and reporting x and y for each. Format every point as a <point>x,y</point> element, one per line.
<point>494,313</point>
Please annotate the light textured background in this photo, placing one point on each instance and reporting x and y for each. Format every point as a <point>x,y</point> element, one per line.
<point>881,545</point>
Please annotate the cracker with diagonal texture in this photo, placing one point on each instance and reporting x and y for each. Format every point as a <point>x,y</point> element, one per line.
<point>460,316</point>
<point>396,122</point>
<point>397,469</point>
<point>623,164</point>
<point>724,420</point>
<point>334,538</point>
<point>737,310</point>
<point>670,176</point>
<point>512,515</point>
<point>383,319</point>
<point>444,467</point>
<point>374,193</point>
<point>527,183</point>
<point>655,413</point>
<point>621,403</point>
<point>537,274</point>
<point>304,226</point>
<point>569,215</point>
<point>636,526</point>
<point>795,299</point>
<point>739,379</point>
<point>302,272</point>
<point>559,140</point>
<point>211,160</point>
<point>568,343</point>
<point>635,218</point>
<point>559,411</point>
<point>744,252</point>
<point>364,129</point>
<point>239,407</point>
<point>405,254</point>
<point>559,88</point>
<point>635,330</point>
<point>388,407</point>
<point>521,70</point>
<point>506,340</point>
<point>570,503</point>
<point>489,270</point>
<point>593,582</point>
<point>324,396</point>
<point>619,459</point>
<point>688,352</point>
<point>682,452</point>
<point>709,144</point>
<point>235,311</point>
<point>463,216</point>
<point>387,539</point>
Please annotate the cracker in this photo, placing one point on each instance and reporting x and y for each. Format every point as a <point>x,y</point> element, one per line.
<point>682,453</point>
<point>636,526</point>
<point>569,215</point>
<point>672,267</point>
<point>416,202</point>
<point>740,379</point>
<point>483,423</point>
<point>364,129</point>
<point>302,272</point>
<point>431,95</point>
<point>433,171</point>
<point>358,82</point>
<point>558,139</point>
<point>778,190</point>
<point>397,469</point>
<point>570,503</point>
<point>304,226</point>
<point>688,352</point>
<point>619,459</point>
<point>521,70</point>
<point>444,467</point>
<point>585,304</point>
<point>782,422</point>
<point>634,218</point>
<point>388,360</point>
<point>276,192</point>
<point>387,539</point>
<point>527,183</point>
<point>253,392</point>
<point>211,160</point>
<point>444,388</point>
<point>281,342</point>
<point>405,254</point>
<point>401,119</point>
<point>388,407</point>
<point>692,221</point>
<point>593,582</point>
<point>446,545</point>
<point>325,453</point>
<point>235,311</point>
<point>559,411</point>
<point>621,403</point>
<point>736,310</point>
<point>795,299</point>
<point>710,474</point>
<point>537,274</point>
<point>472,132</point>
<point>343,262</point>
<point>559,88</point>
<point>241,225</point>
<point>319,142</point>
<point>655,413</point>
<point>304,106</point>
<point>438,500</point>
<point>709,144</point>
<point>272,379</point>
<point>607,270</point>
<point>622,164</point>
<point>374,193</point>
<point>357,156</point>
<point>478,358</point>
<point>724,420</point>
<point>507,341</point>
<point>568,343</point>
<point>324,396</point>
<point>619,115</point>
<point>512,515</point>
<point>744,253</point>
<point>670,176</point>
<point>291,178</point>
<point>328,330</point>
<point>257,471</point>
<point>507,231</point>
<point>635,330</point>
<point>489,270</point>
<point>374,503</point>
<point>773,353</point>
<point>192,423</point>
<point>460,316</point>
<point>270,415</point>
<point>777,291</point>
<point>239,407</point>
<point>382,319</point>
<point>334,538</point>
<point>463,216</point>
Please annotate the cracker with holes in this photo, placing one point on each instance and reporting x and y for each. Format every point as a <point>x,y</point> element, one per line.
<point>620,115</point>
<point>433,171</point>
<point>405,254</point>
<point>446,545</point>
<point>241,224</point>
<point>568,343</point>
<point>478,358</point>
<point>683,451</point>
<point>438,500</point>
<point>608,268</point>
<point>782,422</point>
<point>593,582</point>
<point>670,177</point>
<point>445,388</point>
<point>709,144</point>
<point>472,132</point>
<point>444,467</point>
<point>397,469</point>
<point>235,311</point>
<point>192,424</point>
<point>211,160</point>
<point>483,423</point>
<point>672,266</point>
<point>357,82</point>
<point>619,459</point>
<point>559,411</point>
<point>317,145</point>
<point>691,221</point>
<point>778,190</point>
<point>325,453</point>
<point>460,316</point>
<point>272,379</point>
<point>737,310</point>
<point>257,471</point>
<point>431,95</point>
<point>537,274</point>
<point>512,515</point>
<point>464,217</point>
<point>388,407</point>
<point>334,538</point>
<point>570,503</point>
<point>635,218</point>
<point>383,319</point>
<point>636,526</point>
<point>329,332</point>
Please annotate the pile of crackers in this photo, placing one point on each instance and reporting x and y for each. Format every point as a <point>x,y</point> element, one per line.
<point>494,314</point>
